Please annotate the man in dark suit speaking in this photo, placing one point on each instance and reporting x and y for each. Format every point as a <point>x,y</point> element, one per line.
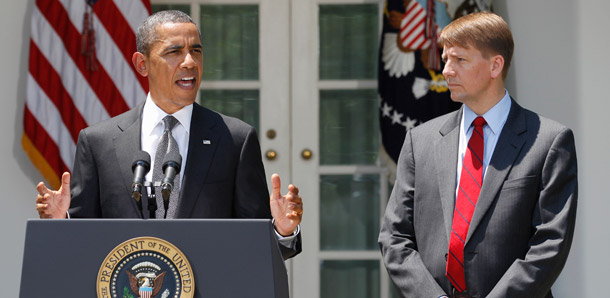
<point>484,203</point>
<point>222,173</point>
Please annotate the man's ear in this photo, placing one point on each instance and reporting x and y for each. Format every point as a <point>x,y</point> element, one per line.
<point>496,65</point>
<point>139,63</point>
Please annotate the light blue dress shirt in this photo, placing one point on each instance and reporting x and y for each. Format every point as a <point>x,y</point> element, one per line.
<point>495,118</point>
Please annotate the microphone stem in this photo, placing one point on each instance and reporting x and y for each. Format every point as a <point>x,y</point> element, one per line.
<point>140,207</point>
<point>152,203</point>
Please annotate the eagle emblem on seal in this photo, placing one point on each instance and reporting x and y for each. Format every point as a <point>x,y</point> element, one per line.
<point>146,279</point>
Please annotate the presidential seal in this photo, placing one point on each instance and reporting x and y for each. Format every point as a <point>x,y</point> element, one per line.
<point>145,267</point>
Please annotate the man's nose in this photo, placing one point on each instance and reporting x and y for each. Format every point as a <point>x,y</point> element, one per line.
<point>448,70</point>
<point>189,61</point>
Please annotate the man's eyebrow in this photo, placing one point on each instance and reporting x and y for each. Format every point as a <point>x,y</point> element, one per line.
<point>173,47</point>
<point>196,46</point>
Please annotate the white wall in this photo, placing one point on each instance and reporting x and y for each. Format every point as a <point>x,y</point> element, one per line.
<point>19,176</point>
<point>594,141</point>
<point>557,71</point>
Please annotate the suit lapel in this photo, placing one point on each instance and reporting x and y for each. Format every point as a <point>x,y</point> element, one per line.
<point>446,164</point>
<point>127,143</point>
<point>203,141</point>
<point>512,139</point>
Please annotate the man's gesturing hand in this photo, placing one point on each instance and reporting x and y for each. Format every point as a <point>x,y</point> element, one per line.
<point>54,203</point>
<point>287,210</point>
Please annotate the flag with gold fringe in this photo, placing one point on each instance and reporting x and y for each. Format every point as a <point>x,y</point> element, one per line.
<point>80,73</point>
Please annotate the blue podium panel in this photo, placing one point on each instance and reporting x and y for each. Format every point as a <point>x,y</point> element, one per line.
<point>228,258</point>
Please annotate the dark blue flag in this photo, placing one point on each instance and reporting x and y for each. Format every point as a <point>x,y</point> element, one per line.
<point>411,90</point>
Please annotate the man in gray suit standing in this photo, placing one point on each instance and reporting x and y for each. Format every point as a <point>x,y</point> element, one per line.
<point>222,173</point>
<point>484,203</point>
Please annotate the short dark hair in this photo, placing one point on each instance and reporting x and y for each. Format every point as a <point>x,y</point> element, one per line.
<point>146,34</point>
<point>485,31</point>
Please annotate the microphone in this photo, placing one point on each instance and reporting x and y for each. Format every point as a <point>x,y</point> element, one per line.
<point>171,167</point>
<point>140,168</point>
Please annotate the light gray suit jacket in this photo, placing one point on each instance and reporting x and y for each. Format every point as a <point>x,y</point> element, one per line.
<point>222,179</point>
<point>523,223</point>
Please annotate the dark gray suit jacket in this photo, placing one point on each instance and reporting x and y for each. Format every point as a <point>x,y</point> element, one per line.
<point>222,179</point>
<point>523,224</point>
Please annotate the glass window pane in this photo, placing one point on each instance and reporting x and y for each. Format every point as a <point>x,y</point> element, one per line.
<point>349,41</point>
<point>242,104</point>
<point>349,212</point>
<point>181,7</point>
<point>349,127</point>
<point>349,279</point>
<point>230,42</point>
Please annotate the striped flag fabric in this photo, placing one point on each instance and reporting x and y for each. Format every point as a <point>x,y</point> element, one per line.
<point>145,292</point>
<point>80,73</point>
<point>413,27</point>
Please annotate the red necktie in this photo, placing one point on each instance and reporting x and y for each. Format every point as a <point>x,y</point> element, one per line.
<point>471,180</point>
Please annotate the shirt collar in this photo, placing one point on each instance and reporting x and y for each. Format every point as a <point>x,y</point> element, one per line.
<point>495,117</point>
<point>152,115</point>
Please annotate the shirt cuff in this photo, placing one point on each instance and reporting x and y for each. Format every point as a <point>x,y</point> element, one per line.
<point>286,240</point>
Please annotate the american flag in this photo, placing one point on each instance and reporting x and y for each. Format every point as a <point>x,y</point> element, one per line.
<point>412,27</point>
<point>80,73</point>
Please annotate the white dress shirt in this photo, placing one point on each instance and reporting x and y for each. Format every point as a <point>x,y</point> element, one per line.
<point>152,129</point>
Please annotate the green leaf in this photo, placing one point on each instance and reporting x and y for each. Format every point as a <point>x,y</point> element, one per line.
<point>127,293</point>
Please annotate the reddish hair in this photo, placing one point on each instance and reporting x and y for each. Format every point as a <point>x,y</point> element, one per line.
<point>485,31</point>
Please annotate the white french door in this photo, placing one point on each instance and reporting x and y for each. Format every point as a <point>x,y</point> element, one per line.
<point>303,72</point>
<point>334,99</point>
